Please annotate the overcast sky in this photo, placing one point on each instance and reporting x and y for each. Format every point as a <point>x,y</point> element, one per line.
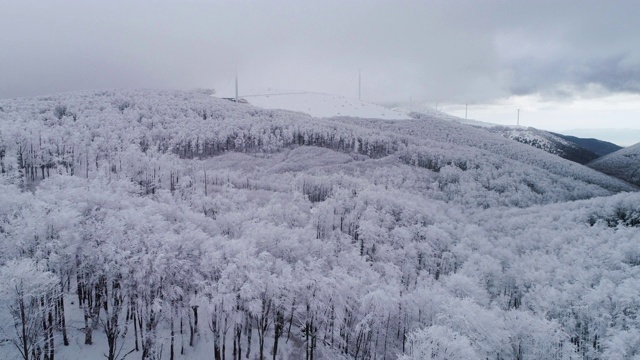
<point>566,64</point>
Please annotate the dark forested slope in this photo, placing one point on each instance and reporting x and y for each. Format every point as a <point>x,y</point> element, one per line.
<point>623,164</point>
<point>598,147</point>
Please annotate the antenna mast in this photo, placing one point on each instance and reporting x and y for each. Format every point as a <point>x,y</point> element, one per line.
<point>359,84</point>
<point>236,86</point>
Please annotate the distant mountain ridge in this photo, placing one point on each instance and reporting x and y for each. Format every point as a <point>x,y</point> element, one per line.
<point>598,147</point>
<point>621,137</point>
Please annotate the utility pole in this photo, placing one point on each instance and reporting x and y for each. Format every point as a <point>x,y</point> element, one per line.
<point>360,84</point>
<point>465,111</point>
<point>518,123</point>
<point>236,86</point>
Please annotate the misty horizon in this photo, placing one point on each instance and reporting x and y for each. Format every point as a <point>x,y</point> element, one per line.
<point>567,65</point>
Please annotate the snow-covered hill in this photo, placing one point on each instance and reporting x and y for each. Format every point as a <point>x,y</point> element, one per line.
<point>316,104</point>
<point>161,224</point>
<point>623,164</point>
<point>423,111</point>
<point>476,143</point>
<point>328,105</point>
<point>324,105</point>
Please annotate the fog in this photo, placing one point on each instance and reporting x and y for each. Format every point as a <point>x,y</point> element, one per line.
<point>452,52</point>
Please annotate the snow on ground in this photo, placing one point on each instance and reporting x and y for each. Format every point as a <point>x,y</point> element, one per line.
<point>325,105</point>
<point>538,138</point>
<point>77,350</point>
<point>328,105</point>
<point>433,113</point>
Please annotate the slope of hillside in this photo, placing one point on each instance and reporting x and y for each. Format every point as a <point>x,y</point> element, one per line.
<point>324,105</point>
<point>328,105</point>
<point>171,225</point>
<point>443,134</point>
<point>546,141</point>
<point>598,147</point>
<point>103,127</point>
<point>623,164</point>
<point>423,111</point>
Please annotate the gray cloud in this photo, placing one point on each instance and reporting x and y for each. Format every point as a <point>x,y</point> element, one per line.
<point>616,73</point>
<point>559,49</point>
<point>563,76</point>
<point>458,51</point>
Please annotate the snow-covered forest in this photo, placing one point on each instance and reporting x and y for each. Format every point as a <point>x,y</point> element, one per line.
<point>624,164</point>
<point>172,225</point>
<point>548,142</point>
